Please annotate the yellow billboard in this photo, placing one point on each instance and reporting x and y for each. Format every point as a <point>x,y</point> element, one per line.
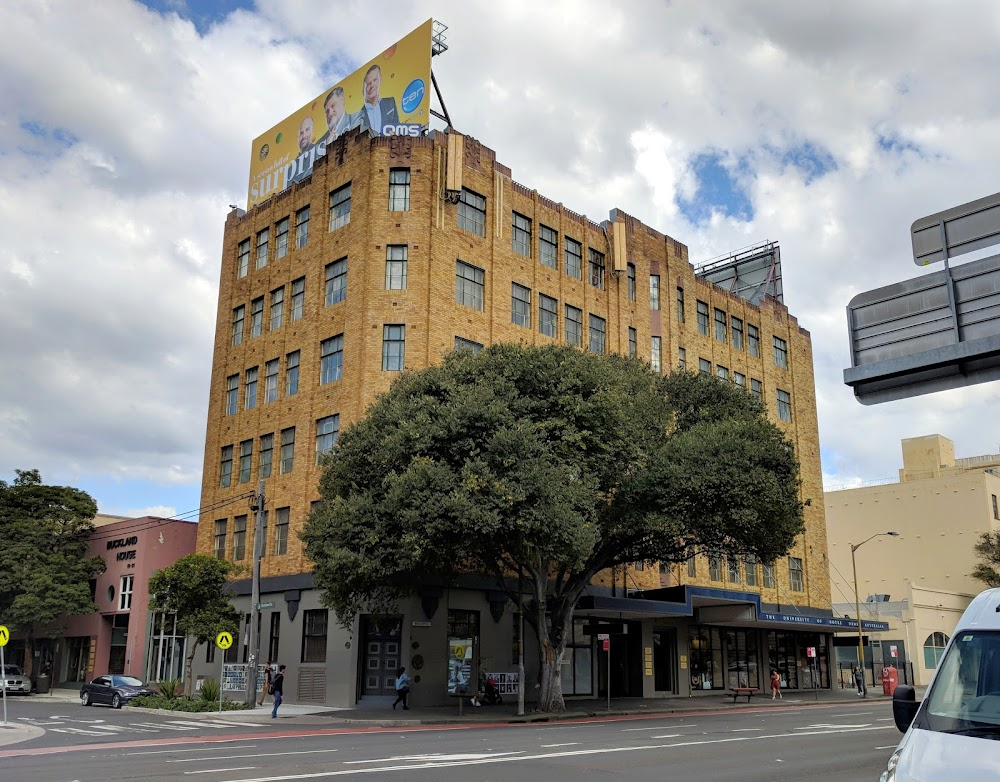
<point>389,95</point>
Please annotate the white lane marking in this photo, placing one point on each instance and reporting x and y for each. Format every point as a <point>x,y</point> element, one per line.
<point>568,744</point>
<point>220,770</point>
<point>541,756</point>
<point>741,730</point>
<point>162,725</point>
<point>78,731</point>
<point>658,727</point>
<point>256,755</point>
<point>223,723</point>
<point>211,748</point>
<point>884,719</point>
<point>447,758</point>
<point>891,746</point>
<point>666,736</point>
<point>857,714</point>
<point>215,724</point>
<point>831,725</point>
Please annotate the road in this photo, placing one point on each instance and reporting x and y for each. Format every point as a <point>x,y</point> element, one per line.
<point>831,742</point>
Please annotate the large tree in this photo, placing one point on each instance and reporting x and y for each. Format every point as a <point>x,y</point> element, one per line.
<point>988,551</point>
<point>45,572</point>
<point>549,463</point>
<point>194,588</point>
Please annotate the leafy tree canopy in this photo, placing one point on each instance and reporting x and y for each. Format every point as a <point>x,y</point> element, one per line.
<point>552,463</point>
<point>45,572</point>
<point>988,550</point>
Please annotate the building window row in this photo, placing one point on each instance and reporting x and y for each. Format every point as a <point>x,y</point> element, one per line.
<point>749,572</point>
<point>783,398</point>
<point>327,434</point>
<point>278,545</point>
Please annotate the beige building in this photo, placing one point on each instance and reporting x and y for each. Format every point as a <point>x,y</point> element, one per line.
<point>919,582</point>
<point>397,250</point>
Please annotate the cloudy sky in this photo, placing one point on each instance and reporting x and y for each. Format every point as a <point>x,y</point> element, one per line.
<point>125,132</point>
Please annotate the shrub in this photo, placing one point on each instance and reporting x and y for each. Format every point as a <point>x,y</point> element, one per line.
<point>185,704</point>
<point>170,688</point>
<point>210,690</point>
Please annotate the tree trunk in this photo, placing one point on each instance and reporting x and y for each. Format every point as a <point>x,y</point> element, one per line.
<point>552,641</point>
<point>29,652</point>
<point>189,670</point>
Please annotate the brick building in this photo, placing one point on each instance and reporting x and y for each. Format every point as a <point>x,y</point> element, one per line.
<point>397,250</point>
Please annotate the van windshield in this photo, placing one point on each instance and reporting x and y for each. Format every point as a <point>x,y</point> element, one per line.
<point>966,692</point>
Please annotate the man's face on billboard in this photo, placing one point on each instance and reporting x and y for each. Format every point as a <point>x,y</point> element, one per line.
<point>305,134</point>
<point>334,109</point>
<point>373,83</point>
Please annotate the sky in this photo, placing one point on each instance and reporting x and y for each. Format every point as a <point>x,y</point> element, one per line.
<point>125,133</point>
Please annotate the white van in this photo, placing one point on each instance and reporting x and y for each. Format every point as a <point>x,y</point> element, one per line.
<point>954,733</point>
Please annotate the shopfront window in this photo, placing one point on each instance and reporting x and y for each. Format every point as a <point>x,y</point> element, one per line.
<point>165,660</point>
<point>781,657</point>
<point>578,662</point>
<point>705,654</point>
<point>463,637</point>
<point>742,659</point>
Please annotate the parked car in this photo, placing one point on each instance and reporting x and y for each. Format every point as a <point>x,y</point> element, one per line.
<point>113,689</point>
<point>14,680</point>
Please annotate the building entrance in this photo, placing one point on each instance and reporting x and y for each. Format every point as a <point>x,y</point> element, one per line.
<point>383,639</point>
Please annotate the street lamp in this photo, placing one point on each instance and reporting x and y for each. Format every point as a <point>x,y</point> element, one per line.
<point>857,601</point>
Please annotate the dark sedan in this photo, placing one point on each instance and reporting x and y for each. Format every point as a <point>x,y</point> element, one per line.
<point>114,690</point>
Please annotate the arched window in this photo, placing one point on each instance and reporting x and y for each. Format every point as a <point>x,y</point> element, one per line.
<point>934,648</point>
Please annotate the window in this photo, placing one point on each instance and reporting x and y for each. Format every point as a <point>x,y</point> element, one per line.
<point>996,513</point>
<point>239,315</point>
<point>298,298</point>
<point>795,574</point>
<point>757,389</point>
<point>722,372</point>
<point>737,325</point>
<point>281,238</point>
<point>395,267</point>
<point>934,648</point>
<point>287,450</point>
<point>281,532</point>
<point>521,235</point>
<point>469,285</point>
<point>256,317</point>
<point>240,538</point>
<point>597,334</point>
<point>654,291</point>
<point>520,305</point>
<point>740,379</point>
<point>232,393</point>
<point>274,643</point>
<point>548,315</point>
<point>595,263</point>
<point>314,635</point>
<point>753,340</point>
<point>219,545</point>
<point>125,593</point>
<point>750,579</point>
<point>784,406</point>
<point>633,342</point>
<point>714,567</point>
<point>331,359</point>
<point>226,466</point>
<point>733,570</point>
<point>340,207</point>
<point>548,246</point>
<point>702,310</point>
<point>692,564</point>
<point>250,389</point>
<point>655,359</point>
<point>680,304</point>
<point>271,380</point>
<point>327,431</point>
<point>266,455</point>
<point>630,274</point>
<point>704,366</point>
<point>393,347</point>
<point>472,212</point>
<point>246,458</point>
<point>768,575</point>
<point>780,352</point>
<point>336,281</point>
<point>572,257</point>
<point>277,307</point>
<point>262,237</point>
<point>721,331</point>
<point>302,228</point>
<point>399,189</point>
<point>574,326</point>
<point>682,358</point>
<point>292,373</point>
<point>467,344</point>
<point>243,259</point>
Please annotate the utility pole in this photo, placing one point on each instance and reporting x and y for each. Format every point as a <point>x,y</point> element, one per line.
<point>520,644</point>
<point>257,504</point>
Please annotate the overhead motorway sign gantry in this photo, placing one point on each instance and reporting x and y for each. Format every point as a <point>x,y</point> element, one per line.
<point>935,332</point>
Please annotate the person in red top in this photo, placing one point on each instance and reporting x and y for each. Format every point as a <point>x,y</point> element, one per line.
<point>775,685</point>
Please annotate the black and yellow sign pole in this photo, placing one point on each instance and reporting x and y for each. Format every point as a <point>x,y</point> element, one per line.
<point>4,638</point>
<point>223,641</point>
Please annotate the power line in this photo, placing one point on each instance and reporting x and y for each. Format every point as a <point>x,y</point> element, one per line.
<point>159,521</point>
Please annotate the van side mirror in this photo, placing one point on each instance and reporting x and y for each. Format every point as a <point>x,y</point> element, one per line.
<point>904,706</point>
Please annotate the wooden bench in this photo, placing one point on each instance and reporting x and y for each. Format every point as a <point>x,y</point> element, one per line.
<point>748,691</point>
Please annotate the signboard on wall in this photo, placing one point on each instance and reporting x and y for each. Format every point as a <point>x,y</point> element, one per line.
<point>389,95</point>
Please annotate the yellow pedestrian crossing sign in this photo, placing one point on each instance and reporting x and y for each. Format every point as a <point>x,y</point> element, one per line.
<point>224,640</point>
<point>4,635</point>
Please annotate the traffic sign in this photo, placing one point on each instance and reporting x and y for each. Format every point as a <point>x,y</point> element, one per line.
<point>4,635</point>
<point>458,651</point>
<point>264,606</point>
<point>893,651</point>
<point>810,651</point>
<point>224,640</point>
<point>607,644</point>
<point>603,637</point>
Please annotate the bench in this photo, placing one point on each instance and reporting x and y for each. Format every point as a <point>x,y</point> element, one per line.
<point>748,691</point>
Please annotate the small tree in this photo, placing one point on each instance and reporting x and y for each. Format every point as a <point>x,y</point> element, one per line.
<point>549,463</point>
<point>194,588</point>
<point>45,572</point>
<point>988,550</point>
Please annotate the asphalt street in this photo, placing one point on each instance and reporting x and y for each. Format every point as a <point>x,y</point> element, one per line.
<point>849,741</point>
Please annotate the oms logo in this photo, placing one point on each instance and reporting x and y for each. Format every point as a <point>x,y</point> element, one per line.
<point>401,130</point>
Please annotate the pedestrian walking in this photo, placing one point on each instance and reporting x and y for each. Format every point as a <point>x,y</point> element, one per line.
<point>402,688</point>
<point>277,690</point>
<point>775,685</point>
<point>268,674</point>
<point>859,679</point>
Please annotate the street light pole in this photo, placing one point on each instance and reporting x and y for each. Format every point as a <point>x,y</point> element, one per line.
<point>857,602</point>
<point>253,642</point>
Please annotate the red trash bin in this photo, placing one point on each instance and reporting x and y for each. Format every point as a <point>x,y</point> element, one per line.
<point>890,678</point>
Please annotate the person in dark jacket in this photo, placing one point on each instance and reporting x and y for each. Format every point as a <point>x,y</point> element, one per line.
<point>278,688</point>
<point>859,679</point>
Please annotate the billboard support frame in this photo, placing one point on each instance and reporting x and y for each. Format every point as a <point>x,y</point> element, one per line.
<point>446,117</point>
